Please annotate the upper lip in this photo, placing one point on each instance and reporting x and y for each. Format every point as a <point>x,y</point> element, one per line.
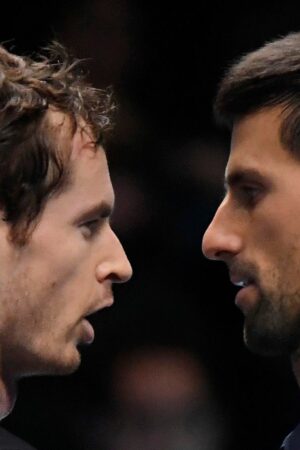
<point>104,304</point>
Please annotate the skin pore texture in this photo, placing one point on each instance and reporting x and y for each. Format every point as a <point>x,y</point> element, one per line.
<point>256,232</point>
<point>64,273</point>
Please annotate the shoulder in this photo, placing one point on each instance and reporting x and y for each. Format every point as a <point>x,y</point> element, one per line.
<point>10,442</point>
<point>292,441</point>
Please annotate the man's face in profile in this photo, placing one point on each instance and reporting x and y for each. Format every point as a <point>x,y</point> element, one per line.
<point>63,273</point>
<point>256,232</point>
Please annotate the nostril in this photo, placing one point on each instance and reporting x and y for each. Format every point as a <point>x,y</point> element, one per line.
<point>121,274</point>
<point>219,243</point>
<point>117,278</point>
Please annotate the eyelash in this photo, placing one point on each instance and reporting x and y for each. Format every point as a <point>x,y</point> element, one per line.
<point>91,227</point>
<point>249,194</point>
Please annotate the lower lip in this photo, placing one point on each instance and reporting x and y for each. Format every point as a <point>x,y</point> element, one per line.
<point>88,335</point>
<point>247,298</point>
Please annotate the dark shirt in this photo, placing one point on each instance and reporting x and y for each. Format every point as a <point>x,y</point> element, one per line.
<point>10,442</point>
<point>292,441</point>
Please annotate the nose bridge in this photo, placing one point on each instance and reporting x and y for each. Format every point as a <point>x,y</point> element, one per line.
<point>211,232</point>
<point>222,236</point>
<point>121,270</point>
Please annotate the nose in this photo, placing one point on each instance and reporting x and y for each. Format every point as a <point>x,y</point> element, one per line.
<point>222,239</point>
<point>115,266</point>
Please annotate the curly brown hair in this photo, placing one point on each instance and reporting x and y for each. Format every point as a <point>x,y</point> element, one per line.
<point>31,166</point>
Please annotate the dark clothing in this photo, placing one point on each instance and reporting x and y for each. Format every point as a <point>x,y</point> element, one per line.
<point>10,442</point>
<point>292,441</point>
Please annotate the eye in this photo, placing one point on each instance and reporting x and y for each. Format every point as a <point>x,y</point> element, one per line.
<point>90,227</point>
<point>249,194</point>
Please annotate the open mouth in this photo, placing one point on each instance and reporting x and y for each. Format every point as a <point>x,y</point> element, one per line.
<point>241,281</point>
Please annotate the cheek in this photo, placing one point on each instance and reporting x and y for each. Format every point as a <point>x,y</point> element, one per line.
<point>59,281</point>
<point>277,256</point>
<point>70,280</point>
<point>270,236</point>
<point>64,261</point>
<point>59,300</point>
<point>275,225</point>
<point>269,249</point>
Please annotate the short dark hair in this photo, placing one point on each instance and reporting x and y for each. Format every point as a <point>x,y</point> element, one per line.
<point>267,77</point>
<point>31,166</point>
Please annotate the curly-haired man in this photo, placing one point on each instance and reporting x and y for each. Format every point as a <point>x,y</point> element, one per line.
<point>59,255</point>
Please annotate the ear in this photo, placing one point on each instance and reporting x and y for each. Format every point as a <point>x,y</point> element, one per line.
<point>5,229</point>
<point>7,246</point>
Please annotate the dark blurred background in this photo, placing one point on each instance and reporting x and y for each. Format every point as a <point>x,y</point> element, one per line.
<point>168,368</point>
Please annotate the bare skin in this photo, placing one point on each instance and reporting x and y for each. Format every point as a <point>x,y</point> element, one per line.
<point>63,274</point>
<point>256,232</point>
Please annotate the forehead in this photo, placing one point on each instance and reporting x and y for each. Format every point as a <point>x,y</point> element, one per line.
<point>256,142</point>
<point>89,179</point>
<point>69,134</point>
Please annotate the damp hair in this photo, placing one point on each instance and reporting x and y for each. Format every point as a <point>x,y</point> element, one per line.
<point>33,167</point>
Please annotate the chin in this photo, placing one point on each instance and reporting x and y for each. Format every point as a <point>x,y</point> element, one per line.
<point>60,363</point>
<point>66,364</point>
<point>268,342</point>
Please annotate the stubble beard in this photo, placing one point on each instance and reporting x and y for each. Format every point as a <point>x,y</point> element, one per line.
<point>272,328</point>
<point>27,345</point>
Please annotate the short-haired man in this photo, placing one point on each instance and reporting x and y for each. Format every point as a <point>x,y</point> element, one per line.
<point>59,255</point>
<point>256,229</point>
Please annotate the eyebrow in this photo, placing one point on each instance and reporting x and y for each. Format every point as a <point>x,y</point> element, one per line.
<point>239,176</point>
<point>102,209</point>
